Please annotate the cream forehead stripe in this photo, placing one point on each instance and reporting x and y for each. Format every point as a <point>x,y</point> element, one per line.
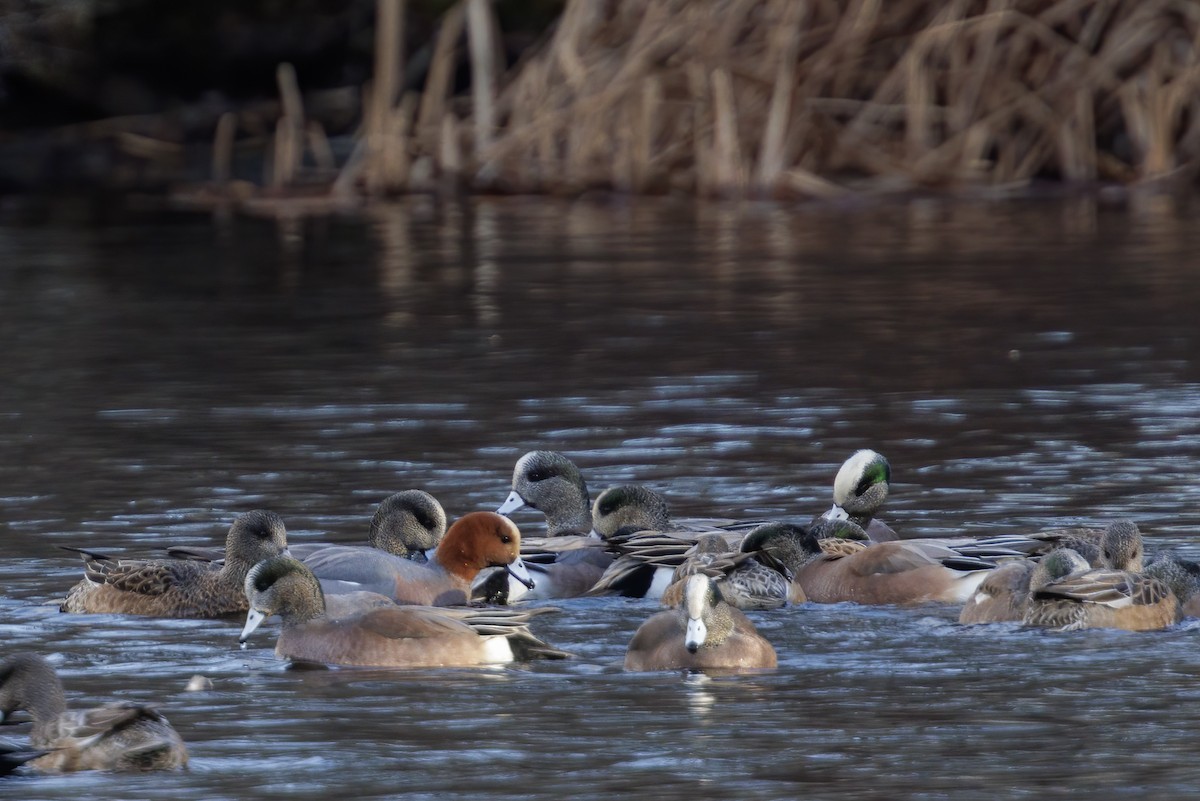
<point>850,472</point>
<point>512,527</point>
<point>695,594</point>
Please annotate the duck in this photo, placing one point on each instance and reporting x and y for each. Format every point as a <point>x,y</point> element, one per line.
<point>475,541</point>
<point>179,588</point>
<point>116,736</point>
<point>409,524</point>
<point>551,483</point>
<point>744,582</point>
<point>636,523</point>
<point>703,633</point>
<point>860,487</point>
<point>571,558</point>
<point>1182,577</point>
<point>1003,597</point>
<point>833,561</point>
<point>365,629</point>
<point>1118,595</point>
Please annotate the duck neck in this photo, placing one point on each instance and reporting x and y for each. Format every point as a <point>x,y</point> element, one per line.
<point>568,521</point>
<point>300,599</point>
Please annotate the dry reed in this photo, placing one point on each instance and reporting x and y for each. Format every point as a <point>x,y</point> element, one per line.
<point>816,97</point>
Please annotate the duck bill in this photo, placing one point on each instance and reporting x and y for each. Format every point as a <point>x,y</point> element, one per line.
<point>697,633</point>
<point>254,619</point>
<point>511,504</point>
<point>516,568</point>
<point>836,513</point>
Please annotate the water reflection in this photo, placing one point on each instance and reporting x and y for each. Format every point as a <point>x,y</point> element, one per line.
<point>1021,365</point>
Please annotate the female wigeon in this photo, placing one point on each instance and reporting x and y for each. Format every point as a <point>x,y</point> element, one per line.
<point>1118,596</point>
<point>475,541</point>
<point>408,524</point>
<point>1004,595</point>
<point>897,572</point>
<point>704,632</point>
<point>744,582</point>
<point>179,587</point>
<point>117,736</point>
<point>367,630</point>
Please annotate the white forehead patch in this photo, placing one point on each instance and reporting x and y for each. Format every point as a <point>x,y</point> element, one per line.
<point>695,596</point>
<point>850,474</point>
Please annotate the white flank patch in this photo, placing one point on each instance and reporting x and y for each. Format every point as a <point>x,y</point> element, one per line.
<point>496,650</point>
<point>663,578</point>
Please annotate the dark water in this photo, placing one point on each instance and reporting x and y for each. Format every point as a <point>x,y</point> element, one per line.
<point>1022,365</point>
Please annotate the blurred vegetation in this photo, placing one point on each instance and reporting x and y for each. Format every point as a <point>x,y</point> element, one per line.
<point>242,101</point>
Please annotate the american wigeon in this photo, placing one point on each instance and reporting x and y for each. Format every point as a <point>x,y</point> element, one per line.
<point>704,632</point>
<point>1106,597</point>
<point>1004,595</point>
<point>551,483</point>
<point>860,487</point>
<point>117,736</point>
<point>475,541</point>
<point>898,572</point>
<point>567,562</point>
<point>179,587</point>
<point>636,523</point>
<point>408,524</point>
<point>368,630</point>
<point>744,582</point>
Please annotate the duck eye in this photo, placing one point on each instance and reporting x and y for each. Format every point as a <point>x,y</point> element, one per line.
<point>538,475</point>
<point>506,539</point>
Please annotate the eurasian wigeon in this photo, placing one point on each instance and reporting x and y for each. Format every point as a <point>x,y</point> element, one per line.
<point>475,541</point>
<point>116,736</point>
<point>704,632</point>
<point>367,630</point>
<point>179,587</point>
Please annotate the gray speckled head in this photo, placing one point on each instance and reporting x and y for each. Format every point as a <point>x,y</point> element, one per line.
<point>629,506</point>
<point>408,524</point>
<point>1121,546</point>
<point>254,536</point>
<point>862,483</point>
<point>551,483</point>
<point>1182,576</point>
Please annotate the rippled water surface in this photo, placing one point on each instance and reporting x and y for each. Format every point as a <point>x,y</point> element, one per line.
<point>1021,365</point>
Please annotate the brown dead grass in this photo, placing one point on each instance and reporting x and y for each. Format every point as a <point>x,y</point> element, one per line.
<point>808,97</point>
